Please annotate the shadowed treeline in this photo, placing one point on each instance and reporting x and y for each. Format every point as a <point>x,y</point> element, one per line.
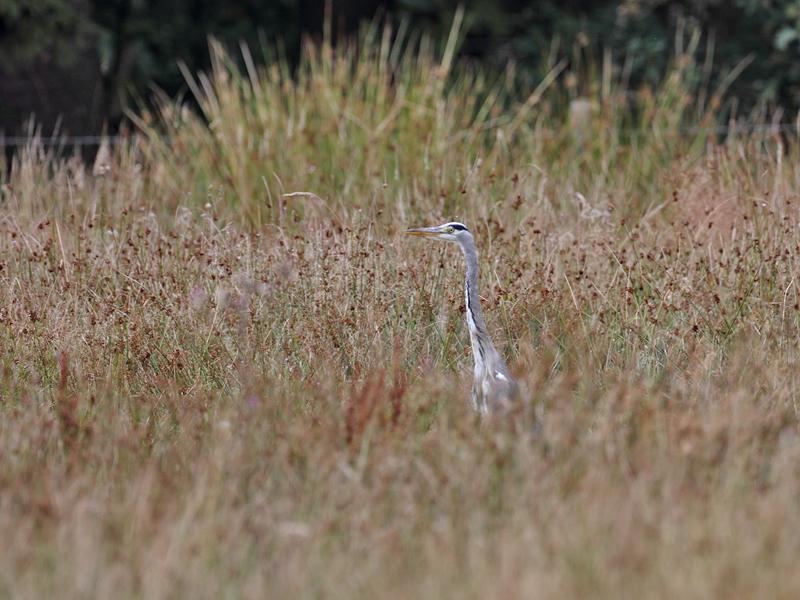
<point>77,65</point>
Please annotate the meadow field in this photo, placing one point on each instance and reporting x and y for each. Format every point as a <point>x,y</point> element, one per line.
<point>225,371</point>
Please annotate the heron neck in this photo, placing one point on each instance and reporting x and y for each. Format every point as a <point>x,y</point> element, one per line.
<point>473,303</point>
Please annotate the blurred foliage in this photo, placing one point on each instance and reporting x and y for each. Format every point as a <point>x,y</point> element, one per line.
<point>642,37</point>
<point>45,29</point>
<point>141,42</point>
<point>137,43</point>
<point>146,39</point>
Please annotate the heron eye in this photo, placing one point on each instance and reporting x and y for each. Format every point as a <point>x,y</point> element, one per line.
<point>451,229</point>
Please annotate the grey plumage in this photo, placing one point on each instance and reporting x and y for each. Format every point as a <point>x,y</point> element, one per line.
<point>493,387</point>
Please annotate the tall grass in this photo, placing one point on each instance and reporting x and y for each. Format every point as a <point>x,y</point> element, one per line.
<point>388,121</point>
<point>223,371</point>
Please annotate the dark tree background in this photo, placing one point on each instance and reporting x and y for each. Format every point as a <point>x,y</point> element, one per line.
<point>79,62</point>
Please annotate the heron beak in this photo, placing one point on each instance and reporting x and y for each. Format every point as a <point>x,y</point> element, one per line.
<point>423,231</point>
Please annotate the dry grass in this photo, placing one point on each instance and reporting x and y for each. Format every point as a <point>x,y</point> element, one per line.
<point>209,388</point>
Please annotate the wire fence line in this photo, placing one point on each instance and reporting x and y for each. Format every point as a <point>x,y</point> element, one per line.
<point>62,140</point>
<point>68,141</point>
<point>766,128</point>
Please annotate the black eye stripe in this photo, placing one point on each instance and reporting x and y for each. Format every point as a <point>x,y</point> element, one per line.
<point>458,227</point>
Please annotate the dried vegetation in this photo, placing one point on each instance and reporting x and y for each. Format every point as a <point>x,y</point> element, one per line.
<point>215,385</point>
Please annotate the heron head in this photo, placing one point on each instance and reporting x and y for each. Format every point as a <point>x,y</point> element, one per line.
<point>449,232</point>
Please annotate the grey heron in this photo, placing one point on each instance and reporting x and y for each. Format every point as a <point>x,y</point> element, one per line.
<point>493,387</point>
